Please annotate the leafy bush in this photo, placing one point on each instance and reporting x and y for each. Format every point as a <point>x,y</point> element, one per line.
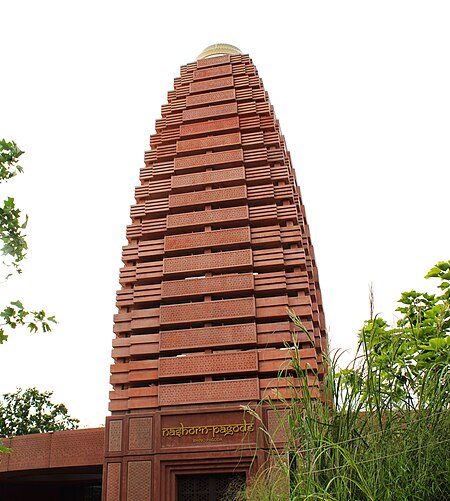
<point>381,430</point>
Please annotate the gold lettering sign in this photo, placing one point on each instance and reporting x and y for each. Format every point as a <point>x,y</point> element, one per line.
<point>213,431</point>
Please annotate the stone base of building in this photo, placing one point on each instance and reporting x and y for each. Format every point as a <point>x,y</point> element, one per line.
<point>180,454</point>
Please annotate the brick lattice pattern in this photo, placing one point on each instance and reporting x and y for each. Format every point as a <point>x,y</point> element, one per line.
<point>139,480</point>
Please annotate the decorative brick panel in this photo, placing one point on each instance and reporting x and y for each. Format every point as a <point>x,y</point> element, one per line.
<point>211,97</point>
<point>212,72</point>
<point>113,474</point>
<point>193,219</point>
<point>139,480</point>
<point>205,178</point>
<point>115,435</point>
<point>140,433</point>
<point>43,451</point>
<point>218,110</point>
<point>206,143</point>
<point>213,61</point>
<point>217,238</point>
<point>224,335</point>
<point>208,196</point>
<point>206,85</point>
<point>30,454</point>
<point>214,363</point>
<point>66,451</point>
<point>207,311</point>
<point>203,128</point>
<point>228,158</point>
<point>209,285</point>
<point>236,390</point>
<point>203,262</point>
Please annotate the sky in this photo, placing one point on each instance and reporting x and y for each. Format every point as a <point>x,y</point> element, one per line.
<point>361,89</point>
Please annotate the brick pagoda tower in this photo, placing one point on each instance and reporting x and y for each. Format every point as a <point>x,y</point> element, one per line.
<point>218,250</point>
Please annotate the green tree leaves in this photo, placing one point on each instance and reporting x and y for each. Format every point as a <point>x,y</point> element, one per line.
<point>9,156</point>
<point>28,411</point>
<point>13,238</point>
<point>441,271</point>
<point>31,411</point>
<point>12,227</point>
<point>14,247</point>
<point>405,358</point>
<point>15,315</point>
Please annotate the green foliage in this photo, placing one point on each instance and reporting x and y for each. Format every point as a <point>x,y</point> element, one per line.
<point>14,247</point>
<point>13,239</point>
<point>9,156</point>
<point>416,349</point>
<point>15,315</point>
<point>30,411</point>
<point>381,430</point>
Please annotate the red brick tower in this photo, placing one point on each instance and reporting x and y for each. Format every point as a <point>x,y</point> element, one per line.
<point>218,250</point>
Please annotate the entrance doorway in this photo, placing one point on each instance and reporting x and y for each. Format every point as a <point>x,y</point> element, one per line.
<point>215,487</point>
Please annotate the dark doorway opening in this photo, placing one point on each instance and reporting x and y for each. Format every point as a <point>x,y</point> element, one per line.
<point>214,487</point>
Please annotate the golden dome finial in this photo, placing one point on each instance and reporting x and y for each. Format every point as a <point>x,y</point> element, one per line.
<point>218,49</point>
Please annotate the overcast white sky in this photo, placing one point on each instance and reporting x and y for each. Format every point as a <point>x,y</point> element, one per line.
<point>362,93</point>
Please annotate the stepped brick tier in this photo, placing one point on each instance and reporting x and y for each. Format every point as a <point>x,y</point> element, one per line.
<point>218,251</point>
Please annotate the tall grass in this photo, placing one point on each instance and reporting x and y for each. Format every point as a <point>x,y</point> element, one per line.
<point>357,442</point>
